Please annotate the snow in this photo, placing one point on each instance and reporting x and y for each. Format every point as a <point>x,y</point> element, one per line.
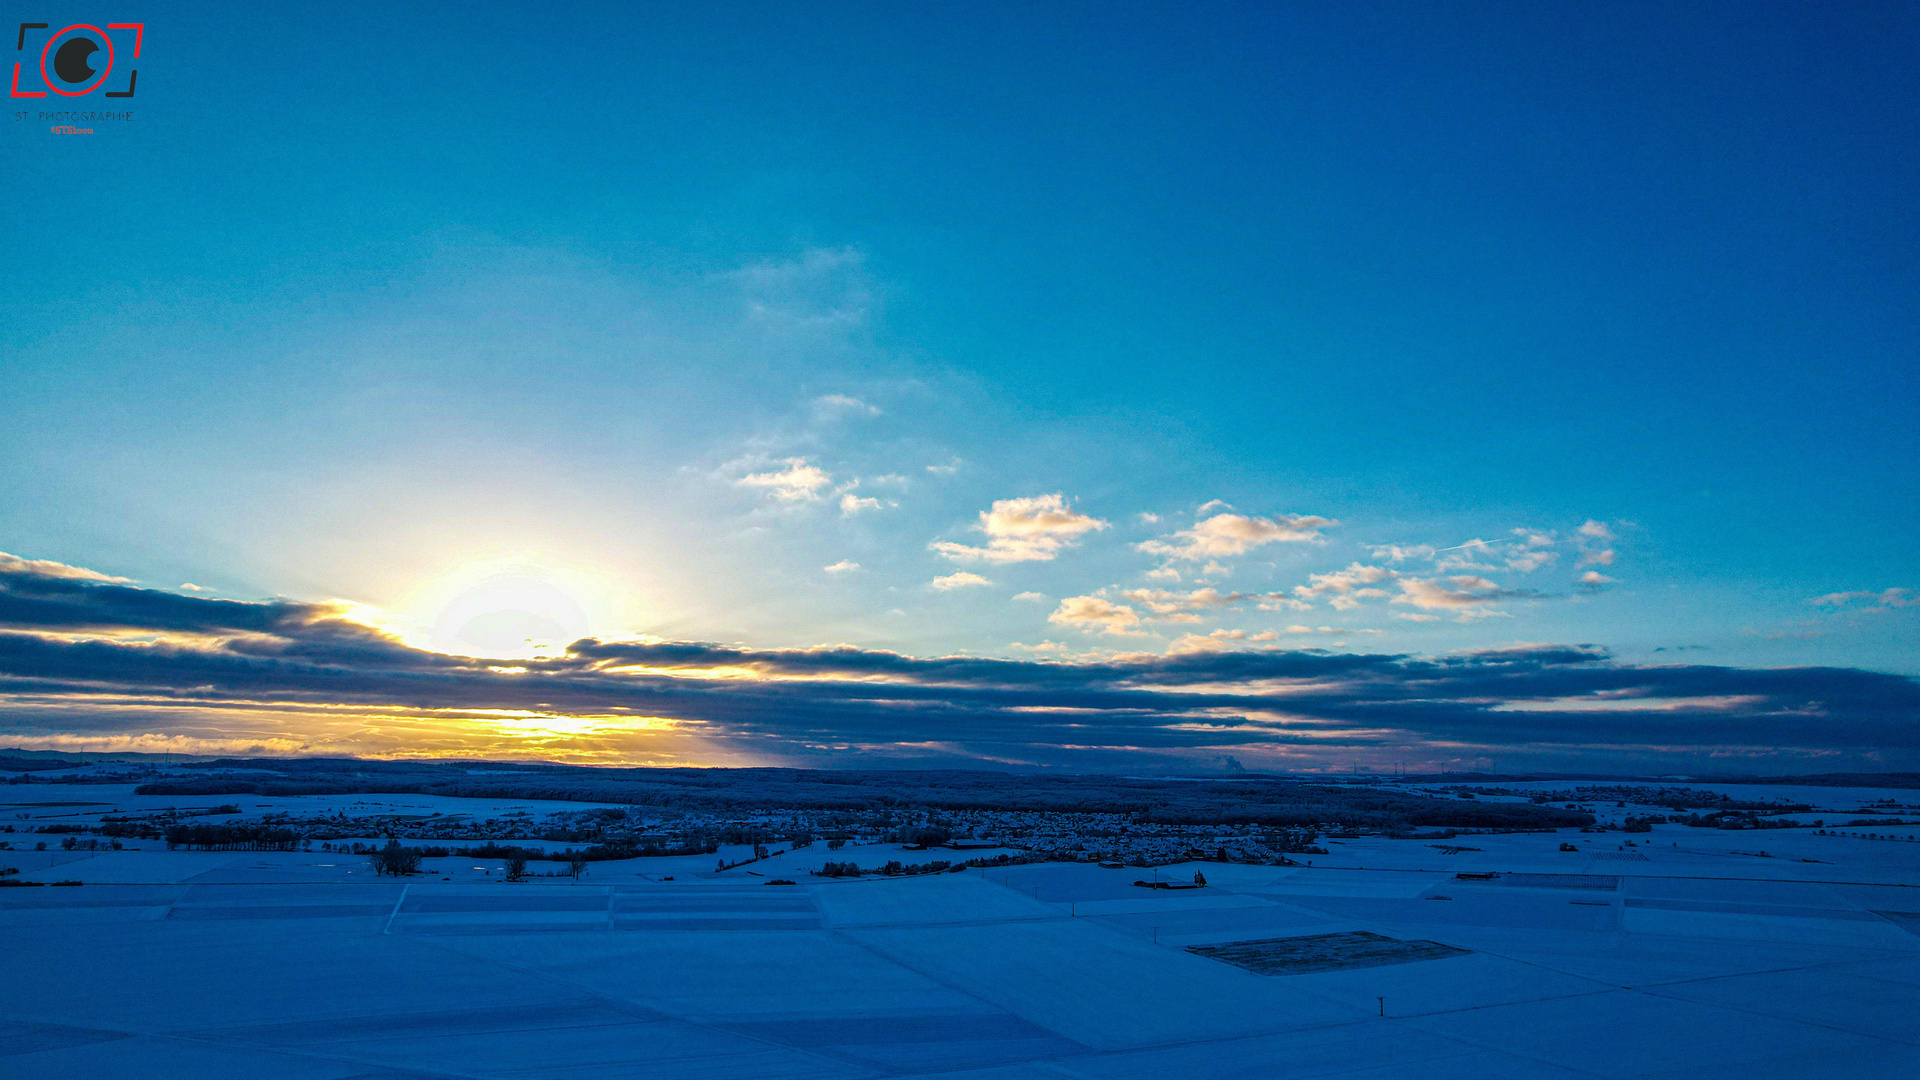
<point>1703,959</point>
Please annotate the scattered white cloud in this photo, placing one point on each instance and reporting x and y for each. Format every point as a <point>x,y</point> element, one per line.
<point>1466,556</point>
<point>1342,584</point>
<point>948,469</point>
<point>1593,581</point>
<point>1031,597</point>
<point>1459,594</point>
<point>1283,602</point>
<point>1096,613</point>
<point>1149,518</point>
<point>1214,642</point>
<point>822,288</point>
<point>851,504</point>
<point>1595,537</point>
<point>829,406</point>
<point>14,564</point>
<point>191,587</point>
<point>1882,600</point>
<point>1180,607</point>
<point>1043,647</point>
<point>1164,573</point>
<point>960,580</point>
<point>1024,530</point>
<point>1526,562</point>
<point>844,566</point>
<point>1213,504</point>
<point>1414,616</point>
<point>1233,534</point>
<point>1401,553</point>
<point>797,482</point>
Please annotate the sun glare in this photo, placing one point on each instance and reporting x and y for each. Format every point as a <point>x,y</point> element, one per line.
<point>510,609</point>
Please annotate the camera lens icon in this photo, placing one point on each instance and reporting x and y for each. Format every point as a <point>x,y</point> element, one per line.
<point>74,52</point>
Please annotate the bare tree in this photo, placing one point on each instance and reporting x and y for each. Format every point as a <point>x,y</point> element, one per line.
<point>395,859</point>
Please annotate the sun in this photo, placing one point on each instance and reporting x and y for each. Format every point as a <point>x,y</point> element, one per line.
<point>508,609</point>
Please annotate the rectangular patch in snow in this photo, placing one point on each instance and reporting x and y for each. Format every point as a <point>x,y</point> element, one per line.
<point>1323,952</point>
<point>1605,882</point>
<point>280,911</point>
<point>1727,907</point>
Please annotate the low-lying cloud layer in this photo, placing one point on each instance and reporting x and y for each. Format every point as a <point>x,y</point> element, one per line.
<point>87,661</point>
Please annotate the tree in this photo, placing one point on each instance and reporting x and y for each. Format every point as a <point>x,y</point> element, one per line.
<point>396,860</point>
<point>576,865</point>
<point>516,867</point>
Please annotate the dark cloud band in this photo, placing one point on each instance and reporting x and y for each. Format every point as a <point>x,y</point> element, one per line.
<point>70,643</point>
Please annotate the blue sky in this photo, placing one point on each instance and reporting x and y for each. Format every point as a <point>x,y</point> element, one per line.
<point>1401,330</point>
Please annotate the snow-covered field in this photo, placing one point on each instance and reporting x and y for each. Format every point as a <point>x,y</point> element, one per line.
<point>1687,954</point>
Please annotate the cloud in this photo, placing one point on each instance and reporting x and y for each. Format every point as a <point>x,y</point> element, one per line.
<point>844,566</point>
<point>1593,581</point>
<point>1096,613</point>
<point>1149,518</point>
<point>1341,584</point>
<point>797,482</point>
<point>1164,573</point>
<point>1884,599</point>
<point>945,470</point>
<point>1024,530</point>
<point>92,661</point>
<point>1165,604</point>
<point>1400,553</point>
<point>1283,602</point>
<point>1213,504</point>
<point>1461,593</point>
<point>959,580</point>
<point>191,587</point>
<point>851,504</point>
<point>1043,647</point>
<point>47,568</point>
<point>1217,640</point>
<point>1465,556</point>
<point>1232,534</point>
<point>1526,562</point>
<point>1594,536</point>
<point>830,406</point>
<point>1031,597</point>
<point>824,288</point>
